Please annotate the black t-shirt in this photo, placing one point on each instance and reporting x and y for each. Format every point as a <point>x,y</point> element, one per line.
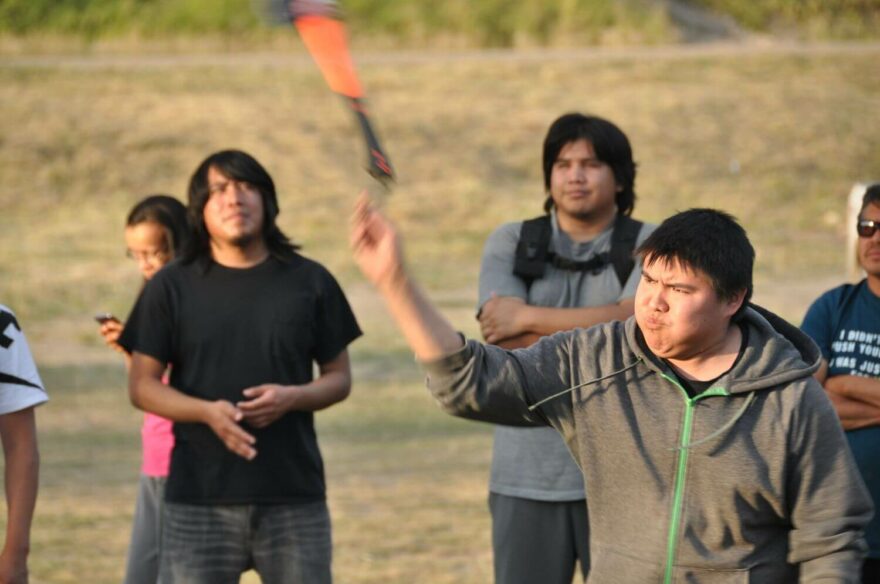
<point>695,387</point>
<point>224,330</point>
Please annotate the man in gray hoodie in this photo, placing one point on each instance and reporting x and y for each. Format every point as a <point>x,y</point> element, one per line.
<point>709,451</point>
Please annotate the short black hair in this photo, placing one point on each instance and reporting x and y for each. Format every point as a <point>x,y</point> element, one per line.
<point>610,144</point>
<point>871,197</point>
<point>243,167</point>
<point>710,241</point>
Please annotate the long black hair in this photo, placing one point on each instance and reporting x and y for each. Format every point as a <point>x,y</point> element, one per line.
<point>239,166</point>
<point>610,145</point>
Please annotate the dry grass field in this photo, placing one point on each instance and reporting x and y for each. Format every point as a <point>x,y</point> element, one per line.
<point>775,137</point>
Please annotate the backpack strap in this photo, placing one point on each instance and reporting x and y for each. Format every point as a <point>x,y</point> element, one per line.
<point>594,264</point>
<point>532,248</point>
<point>623,242</point>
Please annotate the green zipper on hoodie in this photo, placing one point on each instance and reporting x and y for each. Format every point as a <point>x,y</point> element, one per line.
<point>681,471</point>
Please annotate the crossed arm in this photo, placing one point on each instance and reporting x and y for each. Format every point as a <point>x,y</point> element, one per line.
<point>510,323</point>
<point>264,404</point>
<point>19,435</point>
<point>856,399</point>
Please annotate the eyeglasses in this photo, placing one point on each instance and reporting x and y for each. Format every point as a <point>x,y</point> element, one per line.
<point>866,227</point>
<point>146,256</point>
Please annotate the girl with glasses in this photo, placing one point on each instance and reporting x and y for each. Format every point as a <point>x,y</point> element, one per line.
<point>154,234</point>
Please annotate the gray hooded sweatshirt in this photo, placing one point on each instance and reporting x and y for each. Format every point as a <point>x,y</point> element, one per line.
<point>749,482</point>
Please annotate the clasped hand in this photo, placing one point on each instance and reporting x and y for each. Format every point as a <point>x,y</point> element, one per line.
<point>264,404</point>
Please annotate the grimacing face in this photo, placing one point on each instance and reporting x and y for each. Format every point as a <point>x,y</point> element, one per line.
<point>582,186</point>
<point>234,210</point>
<point>679,312</point>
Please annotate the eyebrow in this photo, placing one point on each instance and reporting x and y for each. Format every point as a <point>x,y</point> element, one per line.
<point>668,284</point>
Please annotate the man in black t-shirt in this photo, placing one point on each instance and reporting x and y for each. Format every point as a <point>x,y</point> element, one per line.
<point>239,320</point>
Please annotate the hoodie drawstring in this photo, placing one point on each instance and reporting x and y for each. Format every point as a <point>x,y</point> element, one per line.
<point>533,407</point>
<point>727,426</point>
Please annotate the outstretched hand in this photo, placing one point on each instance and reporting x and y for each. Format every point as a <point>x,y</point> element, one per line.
<point>379,254</point>
<point>377,248</point>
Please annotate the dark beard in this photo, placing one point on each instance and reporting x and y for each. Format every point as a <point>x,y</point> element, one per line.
<point>245,241</point>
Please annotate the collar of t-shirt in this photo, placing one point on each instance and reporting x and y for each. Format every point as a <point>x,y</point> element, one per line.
<point>567,247</point>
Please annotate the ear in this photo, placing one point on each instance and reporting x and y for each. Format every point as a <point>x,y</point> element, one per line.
<point>733,303</point>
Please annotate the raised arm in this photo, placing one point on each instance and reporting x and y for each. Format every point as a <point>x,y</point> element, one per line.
<point>474,381</point>
<point>378,253</point>
<point>19,435</point>
<point>147,392</point>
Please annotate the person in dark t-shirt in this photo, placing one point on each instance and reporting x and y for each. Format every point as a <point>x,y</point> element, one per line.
<point>845,323</point>
<point>240,319</point>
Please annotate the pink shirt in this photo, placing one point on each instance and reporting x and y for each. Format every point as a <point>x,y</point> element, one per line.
<point>157,440</point>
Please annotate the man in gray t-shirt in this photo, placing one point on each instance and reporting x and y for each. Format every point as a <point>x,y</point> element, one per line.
<point>536,492</point>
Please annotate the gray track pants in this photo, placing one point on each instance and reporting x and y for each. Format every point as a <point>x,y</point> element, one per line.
<point>538,542</point>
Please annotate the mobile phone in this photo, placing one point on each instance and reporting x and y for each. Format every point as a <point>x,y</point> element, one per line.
<point>103,317</point>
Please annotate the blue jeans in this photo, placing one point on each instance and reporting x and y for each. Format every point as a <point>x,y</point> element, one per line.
<point>214,544</point>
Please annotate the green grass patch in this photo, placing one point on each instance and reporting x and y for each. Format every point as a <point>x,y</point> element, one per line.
<point>842,19</point>
<point>488,23</point>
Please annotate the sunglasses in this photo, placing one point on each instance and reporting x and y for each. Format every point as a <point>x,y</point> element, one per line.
<point>866,227</point>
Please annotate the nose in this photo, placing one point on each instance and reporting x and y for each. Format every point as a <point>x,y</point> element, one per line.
<point>234,193</point>
<point>657,300</point>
